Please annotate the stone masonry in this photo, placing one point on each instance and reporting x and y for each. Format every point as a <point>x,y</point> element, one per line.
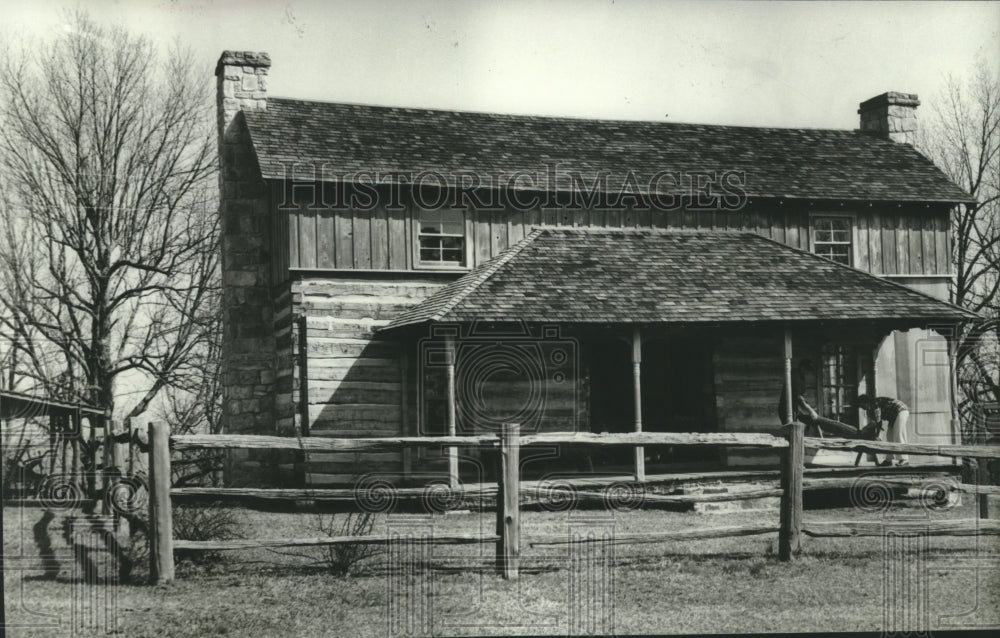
<point>248,340</point>
<point>891,115</point>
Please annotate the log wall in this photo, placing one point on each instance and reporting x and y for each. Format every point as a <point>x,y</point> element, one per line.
<point>353,379</point>
<point>749,373</point>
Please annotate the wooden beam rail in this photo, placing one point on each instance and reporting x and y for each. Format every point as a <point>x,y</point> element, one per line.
<point>256,543</point>
<point>840,529</point>
<point>855,445</point>
<point>587,489</point>
<point>652,537</point>
<point>372,444</point>
<point>831,529</point>
<point>323,444</point>
<point>660,438</point>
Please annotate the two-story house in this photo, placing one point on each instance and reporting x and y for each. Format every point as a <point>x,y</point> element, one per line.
<point>421,272</point>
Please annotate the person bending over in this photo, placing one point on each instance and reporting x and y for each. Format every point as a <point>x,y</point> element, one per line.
<point>895,413</point>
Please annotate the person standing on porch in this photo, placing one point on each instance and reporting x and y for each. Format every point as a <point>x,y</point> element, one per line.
<point>895,413</point>
<point>801,409</point>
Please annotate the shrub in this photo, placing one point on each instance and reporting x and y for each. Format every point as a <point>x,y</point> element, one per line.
<point>344,559</point>
<point>340,560</point>
<point>208,522</point>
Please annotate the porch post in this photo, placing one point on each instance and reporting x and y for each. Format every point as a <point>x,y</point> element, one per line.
<point>956,427</point>
<point>640,452</point>
<point>404,417</point>
<point>452,428</point>
<point>789,399</point>
<point>872,371</point>
<point>871,389</point>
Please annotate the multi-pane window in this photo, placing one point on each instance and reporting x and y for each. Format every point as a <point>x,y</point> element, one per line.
<point>839,383</point>
<point>441,237</point>
<point>832,238</point>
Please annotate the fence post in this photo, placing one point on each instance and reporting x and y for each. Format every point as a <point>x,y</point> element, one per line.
<point>161,528</point>
<point>791,493</point>
<point>508,506</point>
<point>983,478</point>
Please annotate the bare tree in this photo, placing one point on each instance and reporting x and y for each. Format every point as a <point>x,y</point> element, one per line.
<point>964,140</point>
<point>108,260</point>
<point>193,404</point>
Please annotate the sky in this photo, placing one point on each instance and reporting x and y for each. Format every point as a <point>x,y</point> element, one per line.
<point>792,64</point>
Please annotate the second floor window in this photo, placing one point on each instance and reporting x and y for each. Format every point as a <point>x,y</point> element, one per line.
<point>441,238</point>
<point>832,238</point>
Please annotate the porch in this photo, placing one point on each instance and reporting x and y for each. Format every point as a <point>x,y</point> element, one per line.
<point>580,330</point>
<point>470,379</point>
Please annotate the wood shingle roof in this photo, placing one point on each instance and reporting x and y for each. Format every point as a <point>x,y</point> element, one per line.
<point>777,162</point>
<point>575,275</point>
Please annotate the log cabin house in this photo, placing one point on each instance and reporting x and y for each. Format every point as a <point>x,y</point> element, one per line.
<point>559,298</point>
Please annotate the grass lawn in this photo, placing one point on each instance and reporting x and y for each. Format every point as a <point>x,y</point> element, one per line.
<point>721,585</point>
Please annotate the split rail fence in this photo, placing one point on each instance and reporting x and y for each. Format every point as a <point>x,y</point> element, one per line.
<point>506,451</point>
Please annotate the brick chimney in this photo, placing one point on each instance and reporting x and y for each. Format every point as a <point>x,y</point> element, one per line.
<point>891,115</point>
<point>242,84</point>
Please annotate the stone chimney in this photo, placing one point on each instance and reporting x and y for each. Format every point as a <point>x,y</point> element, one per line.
<point>248,343</point>
<point>242,84</point>
<point>891,115</point>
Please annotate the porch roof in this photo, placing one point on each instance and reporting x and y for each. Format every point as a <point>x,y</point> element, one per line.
<point>574,275</point>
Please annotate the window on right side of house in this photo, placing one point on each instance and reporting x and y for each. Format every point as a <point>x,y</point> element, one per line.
<point>838,382</point>
<point>832,238</point>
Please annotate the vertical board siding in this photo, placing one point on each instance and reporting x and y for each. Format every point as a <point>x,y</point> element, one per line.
<point>344,227</point>
<point>307,235</point>
<point>861,235</point>
<point>280,259</point>
<point>902,245</point>
<point>644,219</point>
<point>889,248</point>
<point>380,239</point>
<point>498,232</point>
<point>516,227</point>
<point>916,247</point>
<point>482,237</point>
<point>326,240</point>
<point>928,244</point>
<point>363,239</point>
<point>293,237</point>
<point>793,236</point>
<point>941,243</point>
<point>778,226</point>
<point>875,243</point>
<point>397,239</point>
<point>888,241</point>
